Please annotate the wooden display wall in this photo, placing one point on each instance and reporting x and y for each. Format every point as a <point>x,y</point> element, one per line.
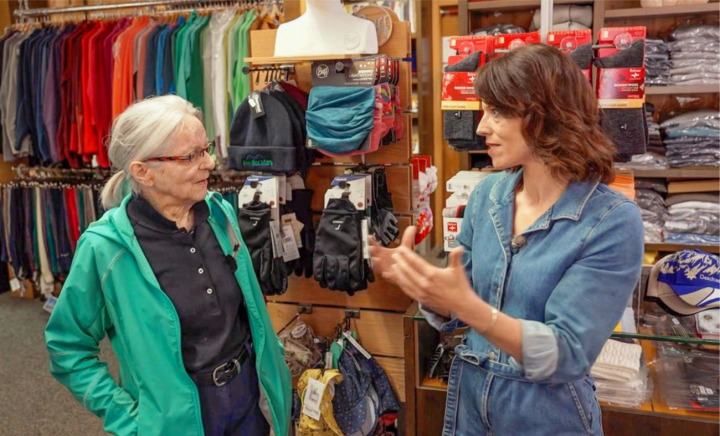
<point>381,307</point>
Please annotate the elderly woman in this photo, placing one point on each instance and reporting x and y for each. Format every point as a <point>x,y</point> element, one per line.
<point>549,256</point>
<point>165,275</point>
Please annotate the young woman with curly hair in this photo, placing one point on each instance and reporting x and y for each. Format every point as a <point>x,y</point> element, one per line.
<point>548,257</point>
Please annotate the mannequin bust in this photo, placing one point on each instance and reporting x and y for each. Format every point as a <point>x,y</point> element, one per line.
<point>325,29</point>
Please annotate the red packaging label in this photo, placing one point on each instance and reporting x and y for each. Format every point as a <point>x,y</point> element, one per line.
<point>503,43</point>
<point>619,37</point>
<point>621,87</point>
<point>458,92</point>
<point>514,40</point>
<point>569,40</point>
<point>458,88</point>
<point>452,227</point>
<point>464,45</point>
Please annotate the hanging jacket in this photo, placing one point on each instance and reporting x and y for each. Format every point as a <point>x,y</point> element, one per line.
<point>111,290</point>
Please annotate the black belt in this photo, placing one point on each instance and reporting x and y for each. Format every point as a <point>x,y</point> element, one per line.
<point>224,373</point>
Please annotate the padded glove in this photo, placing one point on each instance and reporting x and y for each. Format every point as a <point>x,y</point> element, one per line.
<point>338,262</point>
<point>386,229</point>
<point>383,223</point>
<point>254,222</point>
<point>302,199</point>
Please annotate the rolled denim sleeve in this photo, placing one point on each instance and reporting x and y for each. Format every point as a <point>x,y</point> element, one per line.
<point>439,322</point>
<point>540,350</point>
<point>588,301</point>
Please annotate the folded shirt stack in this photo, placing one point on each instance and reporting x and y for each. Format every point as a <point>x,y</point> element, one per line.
<point>692,139</point>
<point>654,212</point>
<point>657,62</point>
<point>693,219</point>
<point>695,55</point>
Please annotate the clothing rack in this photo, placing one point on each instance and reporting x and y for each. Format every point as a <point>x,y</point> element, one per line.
<point>25,13</point>
<point>272,72</point>
<point>26,173</point>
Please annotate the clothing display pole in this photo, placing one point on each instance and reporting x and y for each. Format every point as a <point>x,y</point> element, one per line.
<point>546,18</point>
<point>27,13</point>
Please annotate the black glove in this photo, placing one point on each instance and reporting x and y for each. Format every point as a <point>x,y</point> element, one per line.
<point>385,229</point>
<point>383,223</point>
<point>301,202</point>
<point>254,222</point>
<point>338,263</point>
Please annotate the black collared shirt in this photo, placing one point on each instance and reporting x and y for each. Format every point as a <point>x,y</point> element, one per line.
<point>193,271</point>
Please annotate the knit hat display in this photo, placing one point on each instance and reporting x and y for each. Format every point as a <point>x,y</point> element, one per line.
<point>263,141</point>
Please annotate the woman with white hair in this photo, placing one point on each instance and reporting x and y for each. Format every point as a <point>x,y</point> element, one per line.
<point>165,275</point>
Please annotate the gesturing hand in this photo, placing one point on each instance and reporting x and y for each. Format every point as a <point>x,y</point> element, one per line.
<point>444,290</point>
<point>382,260</point>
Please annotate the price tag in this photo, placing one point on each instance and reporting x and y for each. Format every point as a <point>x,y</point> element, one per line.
<point>290,248</point>
<point>50,304</point>
<point>291,220</point>
<point>311,399</point>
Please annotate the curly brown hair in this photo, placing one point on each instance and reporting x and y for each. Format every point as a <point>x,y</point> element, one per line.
<point>558,106</point>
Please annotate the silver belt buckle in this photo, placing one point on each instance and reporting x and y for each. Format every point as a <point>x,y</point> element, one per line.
<point>222,367</point>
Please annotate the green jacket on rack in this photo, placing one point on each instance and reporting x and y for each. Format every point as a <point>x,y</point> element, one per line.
<point>112,291</point>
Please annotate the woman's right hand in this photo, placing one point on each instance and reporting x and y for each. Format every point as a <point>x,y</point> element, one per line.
<point>382,258</point>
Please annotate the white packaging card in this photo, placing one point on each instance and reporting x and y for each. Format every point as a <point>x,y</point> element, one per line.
<point>289,219</point>
<point>276,239</point>
<point>356,185</point>
<point>312,398</point>
<point>364,226</point>
<point>290,248</point>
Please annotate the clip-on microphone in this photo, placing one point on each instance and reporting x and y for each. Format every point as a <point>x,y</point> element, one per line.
<point>230,258</point>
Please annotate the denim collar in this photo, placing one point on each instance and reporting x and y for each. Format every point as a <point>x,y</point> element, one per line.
<point>569,206</point>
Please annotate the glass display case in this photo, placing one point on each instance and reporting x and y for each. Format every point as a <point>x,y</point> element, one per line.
<point>681,367</point>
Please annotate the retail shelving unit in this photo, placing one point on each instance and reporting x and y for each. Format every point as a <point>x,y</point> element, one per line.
<point>377,313</point>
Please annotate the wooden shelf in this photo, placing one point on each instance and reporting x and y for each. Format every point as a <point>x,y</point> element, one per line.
<point>517,4</point>
<point>680,173</point>
<point>668,247</point>
<point>664,11</point>
<point>680,89</point>
<point>265,60</point>
<point>434,384</point>
<point>647,407</point>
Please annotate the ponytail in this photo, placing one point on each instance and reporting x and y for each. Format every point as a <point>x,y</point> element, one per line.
<point>114,190</point>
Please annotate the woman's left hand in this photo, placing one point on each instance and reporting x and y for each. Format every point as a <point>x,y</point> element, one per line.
<point>443,290</point>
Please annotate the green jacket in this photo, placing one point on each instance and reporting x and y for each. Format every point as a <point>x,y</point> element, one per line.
<point>112,290</point>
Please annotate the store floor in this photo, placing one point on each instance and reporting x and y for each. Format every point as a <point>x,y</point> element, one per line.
<point>32,402</point>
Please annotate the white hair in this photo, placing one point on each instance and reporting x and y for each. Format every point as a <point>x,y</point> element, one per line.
<point>142,131</point>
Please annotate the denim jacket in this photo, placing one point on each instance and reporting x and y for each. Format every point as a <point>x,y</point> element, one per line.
<point>568,285</point>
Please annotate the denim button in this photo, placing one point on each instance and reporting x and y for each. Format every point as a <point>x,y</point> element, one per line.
<point>491,355</point>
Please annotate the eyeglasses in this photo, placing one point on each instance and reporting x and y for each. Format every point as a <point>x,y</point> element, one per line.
<point>197,154</point>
